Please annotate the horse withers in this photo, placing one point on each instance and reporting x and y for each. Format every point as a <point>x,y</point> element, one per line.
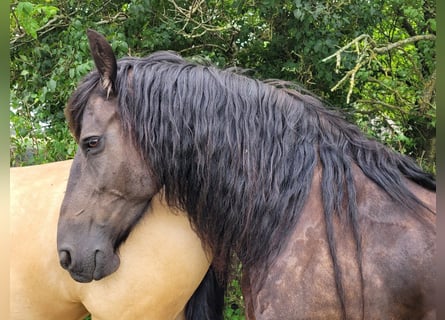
<point>162,261</point>
<point>327,223</point>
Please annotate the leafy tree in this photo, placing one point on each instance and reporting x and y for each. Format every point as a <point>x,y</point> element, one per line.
<point>383,78</point>
<point>392,83</point>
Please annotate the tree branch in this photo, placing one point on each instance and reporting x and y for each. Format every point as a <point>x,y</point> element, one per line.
<point>338,53</point>
<point>367,51</point>
<point>119,16</point>
<point>405,42</point>
<point>199,25</point>
<point>50,25</point>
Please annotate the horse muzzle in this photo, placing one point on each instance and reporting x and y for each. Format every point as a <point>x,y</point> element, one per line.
<point>88,265</point>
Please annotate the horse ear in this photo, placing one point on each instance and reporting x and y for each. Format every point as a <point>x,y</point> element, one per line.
<point>104,60</point>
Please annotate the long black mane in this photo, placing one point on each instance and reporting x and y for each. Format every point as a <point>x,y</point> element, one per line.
<point>239,155</point>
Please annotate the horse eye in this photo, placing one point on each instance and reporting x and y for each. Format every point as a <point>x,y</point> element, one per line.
<point>90,143</point>
<point>93,142</point>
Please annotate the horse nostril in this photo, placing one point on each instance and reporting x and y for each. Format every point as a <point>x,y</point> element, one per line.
<point>65,258</point>
<point>98,257</point>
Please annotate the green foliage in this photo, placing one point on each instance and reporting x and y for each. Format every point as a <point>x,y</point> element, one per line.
<point>275,39</point>
<point>234,301</point>
<point>31,17</point>
<point>391,83</point>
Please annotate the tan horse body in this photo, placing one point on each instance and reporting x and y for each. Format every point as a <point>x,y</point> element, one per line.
<point>162,261</point>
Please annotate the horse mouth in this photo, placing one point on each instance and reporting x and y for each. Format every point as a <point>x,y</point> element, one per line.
<point>82,278</point>
<point>97,274</point>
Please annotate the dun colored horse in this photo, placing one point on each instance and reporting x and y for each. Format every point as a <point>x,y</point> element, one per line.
<point>162,261</point>
<point>327,223</point>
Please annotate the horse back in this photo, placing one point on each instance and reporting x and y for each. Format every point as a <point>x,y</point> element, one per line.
<point>396,259</point>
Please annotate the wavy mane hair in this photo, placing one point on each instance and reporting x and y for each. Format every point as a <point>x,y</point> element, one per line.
<point>239,154</point>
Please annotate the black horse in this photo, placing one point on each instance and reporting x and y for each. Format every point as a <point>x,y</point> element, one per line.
<point>327,223</point>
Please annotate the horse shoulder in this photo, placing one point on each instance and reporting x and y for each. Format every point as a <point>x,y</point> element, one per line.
<point>303,267</point>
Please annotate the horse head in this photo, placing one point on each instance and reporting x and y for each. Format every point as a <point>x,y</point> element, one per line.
<point>109,186</point>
